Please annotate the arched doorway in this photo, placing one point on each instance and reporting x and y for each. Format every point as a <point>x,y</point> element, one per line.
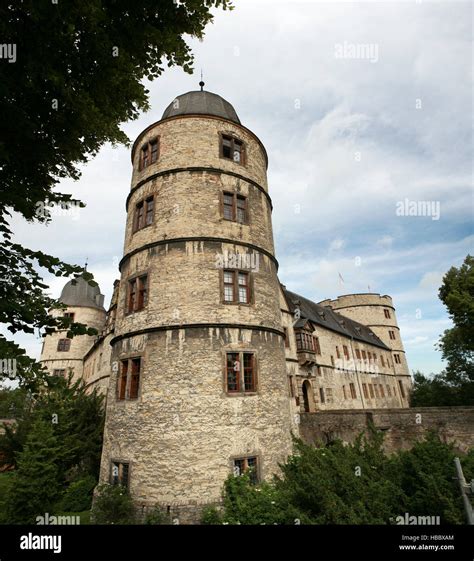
<point>308,401</point>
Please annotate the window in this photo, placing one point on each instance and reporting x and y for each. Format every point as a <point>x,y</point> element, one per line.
<point>382,393</point>
<point>346,352</point>
<point>235,207</point>
<point>402,389</point>
<point>149,153</point>
<point>119,473</point>
<point>232,149</point>
<point>387,313</point>
<point>137,293</point>
<point>344,391</point>
<point>382,360</point>
<point>364,389</point>
<point>332,360</point>
<point>287,342</point>
<point>391,335</point>
<point>305,341</point>
<point>357,353</point>
<point>249,465</point>
<point>353,390</point>
<point>397,359</point>
<point>134,379</point>
<point>236,380</point>
<point>338,354</point>
<point>317,347</point>
<point>371,390</point>
<point>69,315</point>
<point>143,214</point>
<point>291,387</point>
<point>59,372</point>
<point>129,379</point>
<point>364,355</point>
<point>236,287</point>
<point>321,395</point>
<point>64,345</point>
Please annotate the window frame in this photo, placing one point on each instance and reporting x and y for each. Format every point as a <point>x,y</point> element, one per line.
<point>140,292</point>
<point>256,478</point>
<point>240,376</point>
<point>233,140</point>
<point>234,207</point>
<point>140,220</point>
<point>111,474</point>
<point>62,343</point>
<point>235,287</point>
<point>146,153</point>
<point>126,373</point>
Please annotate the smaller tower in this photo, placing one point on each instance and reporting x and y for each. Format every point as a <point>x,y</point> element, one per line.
<point>378,313</point>
<point>85,304</point>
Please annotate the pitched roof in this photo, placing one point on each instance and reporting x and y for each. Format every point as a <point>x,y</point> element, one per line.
<point>325,316</point>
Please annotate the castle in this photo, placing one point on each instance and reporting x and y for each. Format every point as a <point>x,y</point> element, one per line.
<point>206,359</point>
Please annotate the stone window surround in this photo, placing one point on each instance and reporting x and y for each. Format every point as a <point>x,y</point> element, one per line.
<point>147,144</point>
<point>235,195</point>
<point>143,201</point>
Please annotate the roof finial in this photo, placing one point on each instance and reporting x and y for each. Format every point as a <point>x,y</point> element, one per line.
<point>85,266</point>
<point>201,83</point>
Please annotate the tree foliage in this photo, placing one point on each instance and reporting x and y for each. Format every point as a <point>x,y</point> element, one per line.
<point>454,385</point>
<point>36,484</point>
<point>349,484</point>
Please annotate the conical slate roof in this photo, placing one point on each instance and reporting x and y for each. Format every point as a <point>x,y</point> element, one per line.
<point>201,103</point>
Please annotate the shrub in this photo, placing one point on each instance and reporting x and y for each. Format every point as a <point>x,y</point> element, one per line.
<point>78,496</point>
<point>113,505</point>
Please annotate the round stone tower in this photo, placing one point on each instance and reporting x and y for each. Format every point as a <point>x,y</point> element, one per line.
<point>378,313</point>
<point>85,304</point>
<point>198,388</point>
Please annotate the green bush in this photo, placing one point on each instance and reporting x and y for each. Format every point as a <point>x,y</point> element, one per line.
<point>156,517</point>
<point>113,505</point>
<point>78,496</point>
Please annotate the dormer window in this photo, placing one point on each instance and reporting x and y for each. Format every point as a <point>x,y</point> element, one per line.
<point>232,149</point>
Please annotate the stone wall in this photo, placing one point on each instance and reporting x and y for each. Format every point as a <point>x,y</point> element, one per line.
<point>402,427</point>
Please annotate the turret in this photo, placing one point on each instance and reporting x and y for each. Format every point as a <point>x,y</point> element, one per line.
<point>198,389</point>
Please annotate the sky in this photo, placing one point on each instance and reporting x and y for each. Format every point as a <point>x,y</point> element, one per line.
<point>365,109</point>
